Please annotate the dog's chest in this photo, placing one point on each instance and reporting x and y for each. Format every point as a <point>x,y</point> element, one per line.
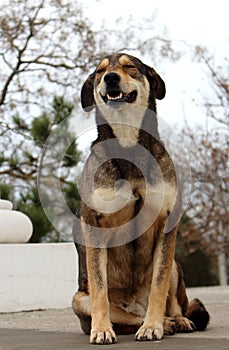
<point>139,200</point>
<point>130,266</point>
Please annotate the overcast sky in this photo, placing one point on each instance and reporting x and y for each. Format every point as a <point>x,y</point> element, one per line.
<point>190,20</point>
<point>194,22</point>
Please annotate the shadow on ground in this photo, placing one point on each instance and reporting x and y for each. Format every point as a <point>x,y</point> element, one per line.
<point>37,340</point>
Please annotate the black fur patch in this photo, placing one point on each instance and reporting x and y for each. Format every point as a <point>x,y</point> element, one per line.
<point>198,315</point>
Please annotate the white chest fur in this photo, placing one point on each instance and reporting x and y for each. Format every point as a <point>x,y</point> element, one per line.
<point>125,122</point>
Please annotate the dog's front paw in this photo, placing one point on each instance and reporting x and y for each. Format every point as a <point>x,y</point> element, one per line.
<point>149,333</point>
<point>106,336</point>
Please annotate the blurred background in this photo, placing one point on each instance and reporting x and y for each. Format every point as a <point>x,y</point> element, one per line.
<point>47,50</point>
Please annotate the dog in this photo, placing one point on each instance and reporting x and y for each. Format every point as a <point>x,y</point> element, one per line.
<point>129,281</point>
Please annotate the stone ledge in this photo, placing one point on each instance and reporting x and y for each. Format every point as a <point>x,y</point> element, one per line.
<point>37,276</point>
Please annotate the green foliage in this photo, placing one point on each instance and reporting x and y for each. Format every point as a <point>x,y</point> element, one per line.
<point>61,108</point>
<point>72,157</point>
<point>20,122</point>
<point>40,128</point>
<point>21,166</point>
<point>30,205</point>
<point>2,159</point>
<point>5,191</point>
<point>72,196</point>
<point>13,162</point>
<point>198,268</point>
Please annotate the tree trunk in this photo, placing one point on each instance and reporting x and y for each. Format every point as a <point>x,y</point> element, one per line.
<point>222,268</point>
<point>222,261</point>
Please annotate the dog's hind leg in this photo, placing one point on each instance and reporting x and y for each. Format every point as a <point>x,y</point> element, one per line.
<point>123,322</point>
<point>81,304</point>
<point>189,316</point>
<point>177,302</point>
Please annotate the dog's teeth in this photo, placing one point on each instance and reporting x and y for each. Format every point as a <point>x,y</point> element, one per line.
<point>111,98</point>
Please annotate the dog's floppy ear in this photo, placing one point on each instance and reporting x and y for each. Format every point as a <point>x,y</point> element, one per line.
<point>156,83</point>
<point>87,96</point>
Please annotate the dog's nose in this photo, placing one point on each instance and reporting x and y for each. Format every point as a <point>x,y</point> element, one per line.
<point>112,78</point>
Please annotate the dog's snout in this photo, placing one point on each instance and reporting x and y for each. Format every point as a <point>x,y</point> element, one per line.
<point>112,78</point>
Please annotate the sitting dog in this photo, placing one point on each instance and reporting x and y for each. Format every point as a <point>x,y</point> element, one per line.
<point>128,279</point>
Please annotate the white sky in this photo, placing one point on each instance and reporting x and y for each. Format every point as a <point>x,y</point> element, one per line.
<point>193,21</point>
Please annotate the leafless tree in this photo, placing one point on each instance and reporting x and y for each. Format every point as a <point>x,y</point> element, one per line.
<point>208,150</point>
<point>48,45</point>
<point>47,49</point>
<point>217,105</point>
<point>45,46</point>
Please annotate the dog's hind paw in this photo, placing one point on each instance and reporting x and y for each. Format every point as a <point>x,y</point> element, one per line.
<point>103,337</point>
<point>170,325</point>
<point>184,325</point>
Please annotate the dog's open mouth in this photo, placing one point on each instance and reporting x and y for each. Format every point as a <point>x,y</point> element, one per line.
<point>119,96</point>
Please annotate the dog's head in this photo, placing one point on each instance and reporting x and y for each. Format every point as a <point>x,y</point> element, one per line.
<point>120,80</point>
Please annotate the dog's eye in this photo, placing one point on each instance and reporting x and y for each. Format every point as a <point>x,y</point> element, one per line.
<point>99,71</point>
<point>129,66</point>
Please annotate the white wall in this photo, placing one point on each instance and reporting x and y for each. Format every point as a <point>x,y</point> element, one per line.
<point>37,276</point>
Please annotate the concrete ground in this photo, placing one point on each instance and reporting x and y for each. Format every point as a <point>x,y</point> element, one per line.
<point>59,329</point>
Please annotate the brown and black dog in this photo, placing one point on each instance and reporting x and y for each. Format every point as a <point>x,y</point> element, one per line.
<point>129,212</point>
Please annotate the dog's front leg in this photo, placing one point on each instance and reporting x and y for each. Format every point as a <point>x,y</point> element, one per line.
<point>152,328</point>
<point>101,327</point>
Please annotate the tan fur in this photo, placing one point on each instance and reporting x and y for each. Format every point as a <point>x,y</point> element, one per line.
<point>126,134</point>
<point>135,286</point>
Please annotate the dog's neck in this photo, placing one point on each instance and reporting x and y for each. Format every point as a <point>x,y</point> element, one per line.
<point>126,125</point>
<point>129,128</point>
<point>125,157</point>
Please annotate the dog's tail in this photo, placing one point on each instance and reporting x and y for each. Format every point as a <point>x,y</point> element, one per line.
<point>198,314</point>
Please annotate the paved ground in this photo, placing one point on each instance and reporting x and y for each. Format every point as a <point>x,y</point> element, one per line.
<point>59,329</point>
